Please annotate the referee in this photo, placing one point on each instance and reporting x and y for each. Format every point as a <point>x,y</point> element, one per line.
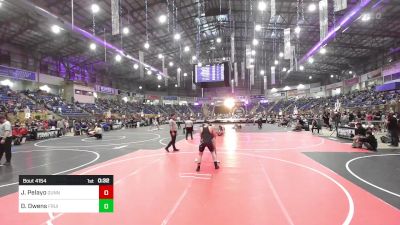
<point>5,139</point>
<point>189,128</point>
<point>173,129</point>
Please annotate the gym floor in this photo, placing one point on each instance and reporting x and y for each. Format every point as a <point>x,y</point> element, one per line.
<point>269,176</point>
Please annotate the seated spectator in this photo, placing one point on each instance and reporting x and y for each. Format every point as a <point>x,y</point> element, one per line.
<point>359,133</point>
<point>84,128</point>
<point>369,142</point>
<point>98,132</point>
<point>284,122</point>
<point>77,129</point>
<point>316,125</point>
<point>299,125</point>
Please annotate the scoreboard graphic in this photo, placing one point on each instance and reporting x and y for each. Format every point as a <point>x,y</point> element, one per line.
<point>66,194</point>
<point>210,73</point>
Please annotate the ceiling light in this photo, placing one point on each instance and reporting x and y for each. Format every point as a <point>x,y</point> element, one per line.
<point>223,58</point>
<point>301,67</point>
<point>276,62</point>
<point>177,36</point>
<point>284,69</point>
<point>297,30</point>
<point>176,85</point>
<point>255,42</point>
<point>95,8</point>
<point>159,77</point>
<point>146,45</point>
<point>218,40</point>
<point>310,77</point>
<point>262,6</point>
<point>125,30</point>
<point>194,57</point>
<point>56,29</point>
<point>322,51</point>
<point>365,17</point>
<point>280,54</point>
<point>253,52</point>
<point>350,72</point>
<point>135,66</point>
<point>257,27</point>
<point>262,72</point>
<point>92,46</point>
<point>160,56</point>
<point>159,86</point>
<point>140,87</point>
<point>310,60</point>
<point>148,72</point>
<point>312,7</point>
<point>179,69</point>
<point>185,74</point>
<point>162,19</point>
<point>118,58</point>
<point>332,75</point>
<point>171,64</point>
<point>186,49</point>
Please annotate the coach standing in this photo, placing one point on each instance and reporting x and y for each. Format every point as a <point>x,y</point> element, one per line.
<point>173,128</point>
<point>393,130</point>
<point>5,139</point>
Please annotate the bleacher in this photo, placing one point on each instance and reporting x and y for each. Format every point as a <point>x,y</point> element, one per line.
<point>12,102</point>
<point>56,104</point>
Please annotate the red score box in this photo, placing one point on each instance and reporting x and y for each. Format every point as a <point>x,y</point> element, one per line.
<point>106,192</point>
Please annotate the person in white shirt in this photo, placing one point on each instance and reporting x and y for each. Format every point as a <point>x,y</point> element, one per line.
<point>5,139</point>
<point>173,129</point>
<point>98,132</point>
<point>189,128</point>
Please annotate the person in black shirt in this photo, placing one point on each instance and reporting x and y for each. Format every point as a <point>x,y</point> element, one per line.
<point>369,142</point>
<point>393,130</point>
<point>207,136</point>
<point>359,133</point>
<point>259,122</point>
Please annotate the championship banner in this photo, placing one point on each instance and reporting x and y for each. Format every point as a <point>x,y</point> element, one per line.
<point>323,18</point>
<point>248,57</point>
<point>232,47</point>
<point>294,58</point>
<point>273,9</point>
<point>265,83</point>
<point>141,61</point>
<point>272,75</point>
<point>165,71</point>
<point>291,58</point>
<point>178,77</point>
<point>287,48</point>
<point>339,5</point>
<point>193,85</point>
<point>243,71</point>
<point>115,17</point>
<point>235,71</point>
<point>252,76</point>
<point>232,87</point>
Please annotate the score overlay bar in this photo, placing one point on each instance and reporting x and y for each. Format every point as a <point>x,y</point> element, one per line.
<point>66,194</point>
